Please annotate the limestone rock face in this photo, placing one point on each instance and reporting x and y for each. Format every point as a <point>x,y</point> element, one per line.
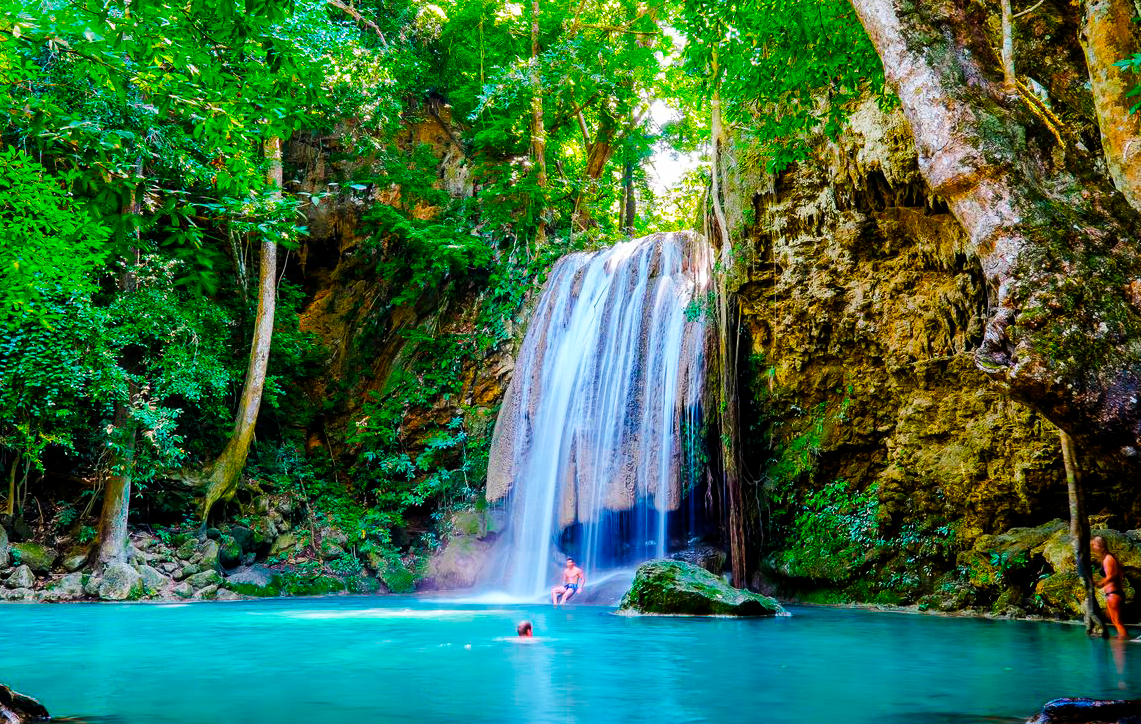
<point>679,588</point>
<point>4,557</point>
<point>864,306</point>
<point>120,583</point>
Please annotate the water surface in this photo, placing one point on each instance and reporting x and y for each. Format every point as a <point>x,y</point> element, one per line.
<point>406,659</point>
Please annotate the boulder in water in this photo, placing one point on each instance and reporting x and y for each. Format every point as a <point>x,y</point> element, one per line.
<point>680,588</point>
<point>15,708</point>
<point>1089,711</point>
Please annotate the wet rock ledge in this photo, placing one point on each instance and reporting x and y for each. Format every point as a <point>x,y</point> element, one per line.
<point>1089,711</point>
<point>15,708</point>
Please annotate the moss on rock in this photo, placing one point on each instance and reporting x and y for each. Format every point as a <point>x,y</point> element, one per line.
<point>680,588</point>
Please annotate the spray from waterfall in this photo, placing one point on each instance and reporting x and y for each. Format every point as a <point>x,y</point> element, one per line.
<point>592,441</point>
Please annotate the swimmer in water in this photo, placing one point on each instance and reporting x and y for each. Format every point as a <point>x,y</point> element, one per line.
<point>524,629</point>
<point>574,580</point>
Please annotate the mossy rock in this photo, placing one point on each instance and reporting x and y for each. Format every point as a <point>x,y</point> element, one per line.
<point>295,584</point>
<point>35,556</point>
<point>994,559</point>
<point>679,588</point>
<point>1063,593</point>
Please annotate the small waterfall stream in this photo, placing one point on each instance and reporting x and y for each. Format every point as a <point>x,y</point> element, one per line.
<point>590,445</point>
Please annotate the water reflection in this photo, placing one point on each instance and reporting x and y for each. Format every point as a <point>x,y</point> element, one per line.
<point>379,660</point>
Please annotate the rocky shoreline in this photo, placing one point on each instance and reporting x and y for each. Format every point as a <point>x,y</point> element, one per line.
<point>266,554</point>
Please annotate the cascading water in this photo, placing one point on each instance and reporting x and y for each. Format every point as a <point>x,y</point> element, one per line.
<point>592,436</point>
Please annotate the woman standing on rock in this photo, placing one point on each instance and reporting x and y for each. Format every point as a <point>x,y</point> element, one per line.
<point>1111,583</point>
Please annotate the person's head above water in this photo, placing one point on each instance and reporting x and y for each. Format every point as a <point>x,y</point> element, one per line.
<point>524,628</point>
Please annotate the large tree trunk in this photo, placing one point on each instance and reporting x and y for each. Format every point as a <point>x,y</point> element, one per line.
<point>1111,32</point>
<point>1058,244</point>
<point>10,506</point>
<point>219,479</point>
<point>727,336</point>
<point>117,484</point>
<point>629,199</point>
<point>1079,533</point>
<point>599,153</point>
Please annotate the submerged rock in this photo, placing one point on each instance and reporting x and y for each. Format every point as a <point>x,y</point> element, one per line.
<point>1089,711</point>
<point>15,708</point>
<point>676,587</point>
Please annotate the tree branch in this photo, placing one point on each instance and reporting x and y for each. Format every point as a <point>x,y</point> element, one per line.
<point>352,12</point>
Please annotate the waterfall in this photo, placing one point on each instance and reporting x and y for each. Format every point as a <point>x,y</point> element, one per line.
<point>591,438</point>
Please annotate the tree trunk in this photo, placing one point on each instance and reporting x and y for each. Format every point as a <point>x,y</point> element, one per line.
<point>727,353</point>
<point>1109,34</point>
<point>538,133</point>
<point>1056,241</point>
<point>599,153</point>
<point>1010,78</point>
<point>220,478</point>
<point>1079,533</point>
<point>10,507</point>
<point>117,486</point>
<point>629,201</point>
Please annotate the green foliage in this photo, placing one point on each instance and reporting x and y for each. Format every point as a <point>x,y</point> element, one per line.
<point>832,531</point>
<point>1133,64</point>
<point>60,245</point>
<point>786,69</point>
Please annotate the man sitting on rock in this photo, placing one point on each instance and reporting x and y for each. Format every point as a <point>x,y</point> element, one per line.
<point>573,581</point>
<point>1111,583</point>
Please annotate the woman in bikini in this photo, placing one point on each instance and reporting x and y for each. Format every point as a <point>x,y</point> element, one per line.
<point>1111,583</point>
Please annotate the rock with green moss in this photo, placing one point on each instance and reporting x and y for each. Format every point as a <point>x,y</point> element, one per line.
<point>229,551</point>
<point>995,560</point>
<point>1063,593</point>
<point>35,556</point>
<point>120,583</point>
<point>285,543</point>
<point>205,579</point>
<point>1059,550</point>
<point>457,564</point>
<point>66,588</point>
<point>680,588</point>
